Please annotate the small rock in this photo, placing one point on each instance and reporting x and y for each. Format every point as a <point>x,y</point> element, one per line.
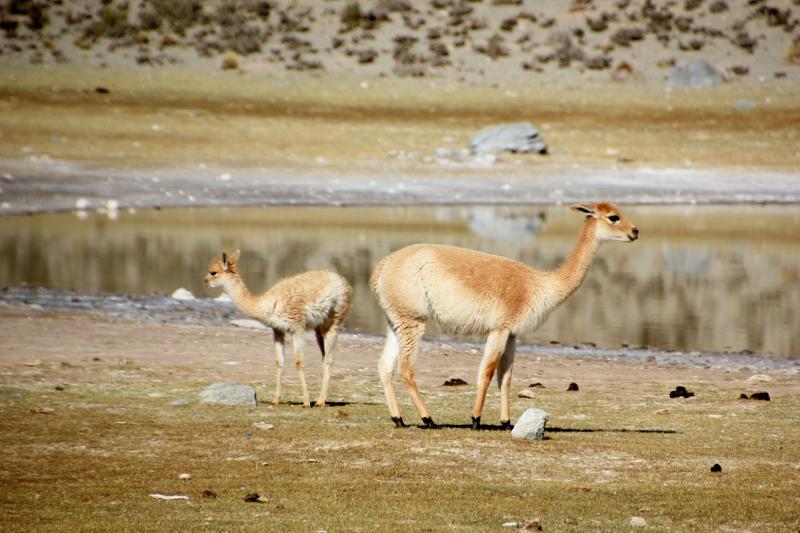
<point>743,396</point>
<point>209,494</point>
<point>59,387</point>
<point>43,410</point>
<point>637,521</point>
<point>536,385</point>
<point>680,392</point>
<point>716,468</point>
<point>530,425</point>
<point>169,497</point>
<point>694,74</point>
<point>760,396</point>
<point>520,137</point>
<point>532,525</point>
<point>81,203</point>
<point>526,393</point>
<point>263,425</point>
<point>33,362</point>
<point>182,294</point>
<point>573,387</point>
<point>248,323</point>
<point>253,497</point>
<point>180,402</point>
<point>454,382</point>
<point>228,394</point>
<point>185,475</point>
<point>762,378</point>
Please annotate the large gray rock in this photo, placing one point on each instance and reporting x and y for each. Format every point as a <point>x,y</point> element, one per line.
<point>228,394</point>
<point>696,73</point>
<point>530,425</point>
<point>519,137</point>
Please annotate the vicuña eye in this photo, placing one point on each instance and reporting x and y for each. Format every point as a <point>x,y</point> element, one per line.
<point>613,218</point>
<point>213,273</point>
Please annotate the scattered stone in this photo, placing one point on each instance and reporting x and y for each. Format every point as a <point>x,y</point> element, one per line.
<point>520,137</point>
<point>263,425</point>
<point>573,387</point>
<point>101,90</point>
<point>532,525</point>
<point>743,396</point>
<point>454,382</point>
<point>536,385</point>
<point>580,489</point>
<point>180,402</point>
<point>760,396</point>
<point>43,410</point>
<point>694,74</point>
<point>185,475</point>
<point>170,497</point>
<point>680,392</point>
<point>33,362</point>
<point>530,425</point>
<point>223,298</point>
<point>716,468</point>
<point>248,323</point>
<point>744,105</point>
<point>81,203</point>
<point>59,387</point>
<point>526,393</point>
<point>760,378</point>
<point>183,294</point>
<point>637,521</point>
<point>228,394</point>
<point>209,494</point>
<point>253,497</point>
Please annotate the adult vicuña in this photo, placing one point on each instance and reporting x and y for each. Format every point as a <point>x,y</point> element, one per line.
<point>477,293</point>
<point>313,300</point>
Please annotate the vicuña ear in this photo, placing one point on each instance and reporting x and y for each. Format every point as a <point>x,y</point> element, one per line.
<point>234,256</point>
<point>224,260</point>
<point>589,209</point>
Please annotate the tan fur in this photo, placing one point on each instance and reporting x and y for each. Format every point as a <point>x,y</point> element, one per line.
<point>467,291</point>
<point>312,300</point>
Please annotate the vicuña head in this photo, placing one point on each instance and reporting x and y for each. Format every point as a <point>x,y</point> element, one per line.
<point>467,291</point>
<point>315,300</point>
<point>611,223</point>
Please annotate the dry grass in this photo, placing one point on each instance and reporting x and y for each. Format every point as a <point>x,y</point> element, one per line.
<point>113,438</point>
<point>234,120</point>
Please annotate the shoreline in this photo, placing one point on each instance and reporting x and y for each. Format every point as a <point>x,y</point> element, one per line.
<point>158,310</point>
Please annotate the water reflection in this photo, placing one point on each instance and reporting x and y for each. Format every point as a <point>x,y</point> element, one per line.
<point>705,278</point>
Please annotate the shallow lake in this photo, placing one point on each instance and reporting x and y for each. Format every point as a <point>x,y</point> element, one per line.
<point>720,278</point>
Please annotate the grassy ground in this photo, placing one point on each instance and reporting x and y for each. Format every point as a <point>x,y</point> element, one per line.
<point>163,119</point>
<point>616,449</point>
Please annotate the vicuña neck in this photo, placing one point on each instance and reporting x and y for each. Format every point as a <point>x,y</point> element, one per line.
<point>241,295</point>
<point>571,273</point>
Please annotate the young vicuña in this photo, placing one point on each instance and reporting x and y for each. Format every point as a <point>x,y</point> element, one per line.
<point>472,292</point>
<point>313,300</point>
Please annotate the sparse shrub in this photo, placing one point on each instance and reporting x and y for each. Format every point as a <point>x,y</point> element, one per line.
<point>793,56</point>
<point>230,61</point>
<point>179,14</point>
<point>351,15</point>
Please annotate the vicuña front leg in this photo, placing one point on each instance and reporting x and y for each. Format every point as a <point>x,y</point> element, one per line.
<point>410,335</point>
<point>495,345</point>
<point>386,364</point>
<point>504,369</point>
<point>328,344</point>
<point>300,364</point>
<point>280,338</point>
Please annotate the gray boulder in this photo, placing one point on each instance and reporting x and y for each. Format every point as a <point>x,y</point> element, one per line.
<point>228,394</point>
<point>696,73</point>
<point>530,425</point>
<point>519,137</point>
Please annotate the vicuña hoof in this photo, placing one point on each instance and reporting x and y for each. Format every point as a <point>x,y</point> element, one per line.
<point>428,423</point>
<point>506,425</point>
<point>398,422</point>
<point>476,423</point>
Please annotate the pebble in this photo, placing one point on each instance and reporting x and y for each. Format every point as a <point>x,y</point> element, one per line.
<point>716,468</point>
<point>573,387</point>
<point>182,294</point>
<point>185,475</point>
<point>526,393</point>
<point>637,521</point>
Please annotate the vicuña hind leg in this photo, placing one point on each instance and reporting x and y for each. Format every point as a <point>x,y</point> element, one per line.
<point>327,345</point>
<point>388,360</point>
<point>409,335</point>
<point>495,345</point>
<point>280,339</point>
<point>504,369</point>
<point>297,343</point>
